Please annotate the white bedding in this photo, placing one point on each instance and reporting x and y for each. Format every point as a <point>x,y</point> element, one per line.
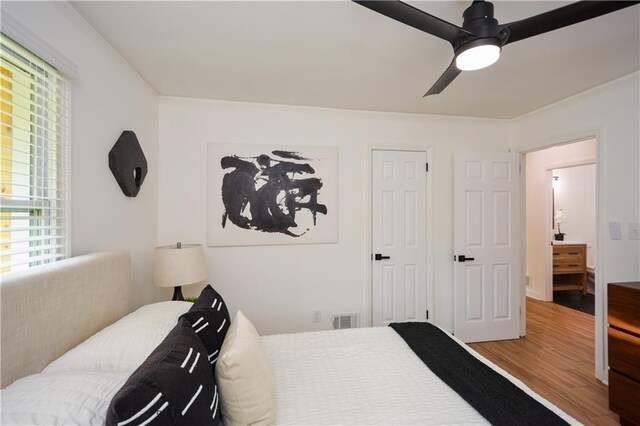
<point>60,398</point>
<point>365,376</point>
<point>125,344</point>
<point>76,388</point>
<point>358,376</point>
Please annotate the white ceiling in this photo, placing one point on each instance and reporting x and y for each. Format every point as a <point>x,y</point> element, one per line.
<point>342,55</point>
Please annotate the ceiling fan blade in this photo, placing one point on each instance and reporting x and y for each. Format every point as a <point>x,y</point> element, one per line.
<point>562,17</point>
<point>416,18</point>
<point>447,77</point>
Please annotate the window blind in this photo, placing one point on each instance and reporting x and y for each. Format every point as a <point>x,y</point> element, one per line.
<point>34,156</point>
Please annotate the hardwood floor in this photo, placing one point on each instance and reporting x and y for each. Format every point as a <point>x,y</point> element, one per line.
<point>556,359</point>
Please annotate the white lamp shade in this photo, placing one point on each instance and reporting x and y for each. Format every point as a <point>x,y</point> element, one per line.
<point>174,266</point>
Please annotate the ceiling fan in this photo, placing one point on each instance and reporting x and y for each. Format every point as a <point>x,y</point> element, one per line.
<point>480,40</point>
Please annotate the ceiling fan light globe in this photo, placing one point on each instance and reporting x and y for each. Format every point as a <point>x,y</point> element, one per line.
<point>477,57</point>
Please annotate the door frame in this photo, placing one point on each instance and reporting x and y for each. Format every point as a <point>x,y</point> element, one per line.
<point>548,285</point>
<point>523,245</point>
<point>368,240</point>
<point>600,346</point>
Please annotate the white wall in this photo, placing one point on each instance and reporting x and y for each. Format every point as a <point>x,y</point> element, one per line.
<point>280,286</point>
<point>538,207</point>
<point>575,194</point>
<point>611,113</point>
<point>107,98</point>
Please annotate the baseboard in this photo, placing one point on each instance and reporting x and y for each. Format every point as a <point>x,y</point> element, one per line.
<point>534,295</point>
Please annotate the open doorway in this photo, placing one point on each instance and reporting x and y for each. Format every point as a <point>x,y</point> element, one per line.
<point>574,236</point>
<point>569,204</point>
<point>561,244</point>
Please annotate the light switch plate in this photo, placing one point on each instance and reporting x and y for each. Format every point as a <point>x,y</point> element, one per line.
<point>615,231</point>
<point>634,231</point>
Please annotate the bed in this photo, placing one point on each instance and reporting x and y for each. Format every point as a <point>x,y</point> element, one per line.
<point>357,376</point>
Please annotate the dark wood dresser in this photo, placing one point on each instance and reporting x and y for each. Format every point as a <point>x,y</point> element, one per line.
<point>624,351</point>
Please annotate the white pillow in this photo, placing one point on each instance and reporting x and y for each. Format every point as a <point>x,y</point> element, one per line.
<point>125,344</point>
<point>62,398</point>
<point>246,385</point>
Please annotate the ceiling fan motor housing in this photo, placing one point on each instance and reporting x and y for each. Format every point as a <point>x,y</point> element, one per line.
<point>479,21</point>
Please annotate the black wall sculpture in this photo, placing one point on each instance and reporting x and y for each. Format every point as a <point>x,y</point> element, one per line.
<point>128,163</point>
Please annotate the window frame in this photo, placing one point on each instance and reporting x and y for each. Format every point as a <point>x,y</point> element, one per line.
<point>48,202</point>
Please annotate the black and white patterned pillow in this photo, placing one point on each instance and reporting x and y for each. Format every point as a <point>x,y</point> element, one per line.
<point>210,319</point>
<point>174,386</point>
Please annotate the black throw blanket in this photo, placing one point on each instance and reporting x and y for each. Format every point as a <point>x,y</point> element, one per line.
<point>494,396</point>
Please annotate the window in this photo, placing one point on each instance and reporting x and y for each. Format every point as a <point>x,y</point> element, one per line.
<point>34,219</point>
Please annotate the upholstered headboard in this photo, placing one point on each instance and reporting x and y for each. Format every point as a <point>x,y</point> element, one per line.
<point>50,309</point>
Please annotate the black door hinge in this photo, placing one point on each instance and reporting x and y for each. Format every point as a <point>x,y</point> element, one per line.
<point>427,314</point>
<point>427,166</point>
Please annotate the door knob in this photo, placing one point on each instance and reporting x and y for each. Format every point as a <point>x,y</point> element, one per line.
<point>379,256</point>
<point>463,258</point>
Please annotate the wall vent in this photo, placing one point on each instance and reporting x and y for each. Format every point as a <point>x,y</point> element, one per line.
<point>344,320</point>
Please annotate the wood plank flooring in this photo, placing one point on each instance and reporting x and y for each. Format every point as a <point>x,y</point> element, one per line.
<point>556,359</point>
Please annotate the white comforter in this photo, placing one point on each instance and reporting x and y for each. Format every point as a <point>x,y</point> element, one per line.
<point>360,376</point>
<point>365,376</point>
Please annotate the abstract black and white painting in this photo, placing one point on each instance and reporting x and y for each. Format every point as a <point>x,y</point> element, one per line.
<point>261,194</point>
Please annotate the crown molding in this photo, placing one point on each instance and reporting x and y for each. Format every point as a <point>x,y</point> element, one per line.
<point>80,23</point>
<point>27,38</point>
<point>594,92</point>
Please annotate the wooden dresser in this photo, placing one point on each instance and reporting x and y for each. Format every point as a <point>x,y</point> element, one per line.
<point>624,351</point>
<point>570,267</point>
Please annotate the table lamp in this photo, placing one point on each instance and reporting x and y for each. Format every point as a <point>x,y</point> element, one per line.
<point>175,266</point>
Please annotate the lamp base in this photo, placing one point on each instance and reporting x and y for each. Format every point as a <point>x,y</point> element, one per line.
<point>177,293</point>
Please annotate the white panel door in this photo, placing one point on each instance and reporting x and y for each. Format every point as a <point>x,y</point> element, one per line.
<point>399,279</point>
<point>487,234</point>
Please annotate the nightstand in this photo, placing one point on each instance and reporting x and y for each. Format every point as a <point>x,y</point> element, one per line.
<point>570,267</point>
